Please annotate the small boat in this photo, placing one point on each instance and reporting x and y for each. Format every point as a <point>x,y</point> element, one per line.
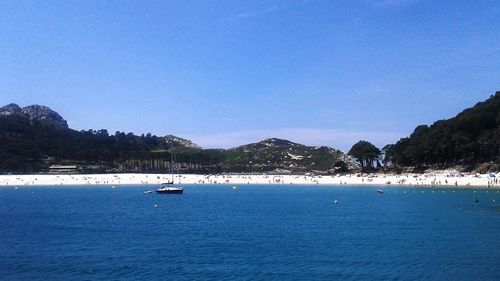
<point>169,189</point>
<point>380,191</point>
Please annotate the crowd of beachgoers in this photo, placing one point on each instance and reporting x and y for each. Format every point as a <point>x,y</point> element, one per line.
<point>434,179</point>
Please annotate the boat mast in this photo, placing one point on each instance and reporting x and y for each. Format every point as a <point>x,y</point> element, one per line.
<point>172,161</point>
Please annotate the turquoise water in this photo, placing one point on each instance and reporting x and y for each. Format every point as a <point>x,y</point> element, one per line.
<point>278,232</point>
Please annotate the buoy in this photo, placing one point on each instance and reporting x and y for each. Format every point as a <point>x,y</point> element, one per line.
<point>16,188</point>
<point>156,205</point>
<point>335,201</point>
<point>234,188</point>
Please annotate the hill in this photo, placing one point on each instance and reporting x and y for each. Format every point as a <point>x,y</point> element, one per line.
<point>470,139</point>
<point>285,156</point>
<point>35,137</point>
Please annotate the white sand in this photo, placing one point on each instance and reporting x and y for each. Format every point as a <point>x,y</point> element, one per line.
<point>441,179</point>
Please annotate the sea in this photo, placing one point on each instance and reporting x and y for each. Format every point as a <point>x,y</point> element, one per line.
<point>253,232</point>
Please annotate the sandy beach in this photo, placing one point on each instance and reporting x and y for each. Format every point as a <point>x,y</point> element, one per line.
<point>438,179</point>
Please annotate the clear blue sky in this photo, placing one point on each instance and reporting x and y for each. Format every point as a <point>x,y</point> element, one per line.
<point>224,73</point>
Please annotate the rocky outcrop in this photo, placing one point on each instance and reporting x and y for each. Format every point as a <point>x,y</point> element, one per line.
<point>35,113</point>
<point>11,109</point>
<point>177,141</point>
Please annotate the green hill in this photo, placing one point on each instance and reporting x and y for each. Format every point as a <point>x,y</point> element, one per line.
<point>280,155</point>
<point>35,137</point>
<point>470,139</point>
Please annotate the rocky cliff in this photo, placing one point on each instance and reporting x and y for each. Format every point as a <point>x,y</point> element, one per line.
<point>35,113</point>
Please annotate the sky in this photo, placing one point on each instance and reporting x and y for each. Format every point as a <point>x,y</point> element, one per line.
<point>226,73</point>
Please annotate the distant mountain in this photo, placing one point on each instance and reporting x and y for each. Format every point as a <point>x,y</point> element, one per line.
<point>35,113</point>
<point>34,137</point>
<point>278,155</point>
<point>267,144</point>
<point>177,141</point>
<point>470,139</point>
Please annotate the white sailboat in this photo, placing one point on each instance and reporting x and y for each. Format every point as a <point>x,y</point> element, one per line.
<point>169,188</point>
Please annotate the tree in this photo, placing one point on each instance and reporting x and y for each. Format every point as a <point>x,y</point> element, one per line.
<point>469,139</point>
<point>366,154</point>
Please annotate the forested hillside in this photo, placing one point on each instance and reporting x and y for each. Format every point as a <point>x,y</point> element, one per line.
<point>35,137</point>
<point>469,139</point>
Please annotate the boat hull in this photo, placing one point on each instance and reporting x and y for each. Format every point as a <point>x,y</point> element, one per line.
<point>176,191</point>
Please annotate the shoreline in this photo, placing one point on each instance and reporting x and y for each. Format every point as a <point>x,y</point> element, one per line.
<point>439,179</point>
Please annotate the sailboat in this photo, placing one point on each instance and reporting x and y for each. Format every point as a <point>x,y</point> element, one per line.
<point>169,188</point>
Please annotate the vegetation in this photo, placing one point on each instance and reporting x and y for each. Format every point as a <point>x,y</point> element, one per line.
<point>29,146</point>
<point>366,154</point>
<point>469,139</point>
<point>285,156</point>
